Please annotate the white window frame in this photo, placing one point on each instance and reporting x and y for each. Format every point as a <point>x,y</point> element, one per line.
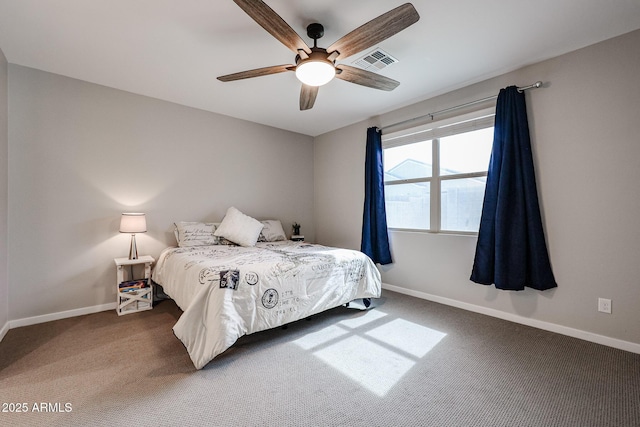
<point>433,131</point>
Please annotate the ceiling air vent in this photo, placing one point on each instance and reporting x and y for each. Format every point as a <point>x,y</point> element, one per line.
<point>375,60</point>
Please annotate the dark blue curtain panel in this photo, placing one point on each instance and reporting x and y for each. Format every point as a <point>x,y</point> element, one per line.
<point>375,239</point>
<point>511,251</point>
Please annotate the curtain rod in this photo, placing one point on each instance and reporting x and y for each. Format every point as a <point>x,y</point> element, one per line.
<point>536,85</point>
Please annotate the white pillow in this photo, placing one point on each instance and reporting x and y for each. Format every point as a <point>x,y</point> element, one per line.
<point>272,231</point>
<point>195,234</point>
<point>239,228</point>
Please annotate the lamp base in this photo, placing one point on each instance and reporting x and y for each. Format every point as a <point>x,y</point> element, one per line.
<point>133,250</point>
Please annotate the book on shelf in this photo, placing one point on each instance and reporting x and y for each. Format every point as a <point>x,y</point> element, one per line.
<point>132,291</point>
<point>132,285</point>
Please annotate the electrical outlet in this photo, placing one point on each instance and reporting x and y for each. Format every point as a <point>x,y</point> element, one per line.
<point>604,305</point>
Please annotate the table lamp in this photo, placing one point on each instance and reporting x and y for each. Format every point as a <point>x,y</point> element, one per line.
<point>133,223</point>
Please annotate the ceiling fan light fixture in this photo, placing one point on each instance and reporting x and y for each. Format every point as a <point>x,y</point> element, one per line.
<point>315,72</point>
<point>316,66</point>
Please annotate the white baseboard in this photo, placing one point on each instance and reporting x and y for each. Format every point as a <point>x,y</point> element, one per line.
<point>552,327</point>
<point>4,330</point>
<point>60,315</point>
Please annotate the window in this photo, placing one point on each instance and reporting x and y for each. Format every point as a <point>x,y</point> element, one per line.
<point>435,175</point>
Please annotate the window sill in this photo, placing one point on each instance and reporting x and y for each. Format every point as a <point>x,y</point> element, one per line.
<point>442,232</point>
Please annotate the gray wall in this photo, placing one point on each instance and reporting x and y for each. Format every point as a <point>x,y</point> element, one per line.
<point>4,185</point>
<point>584,127</point>
<point>80,154</point>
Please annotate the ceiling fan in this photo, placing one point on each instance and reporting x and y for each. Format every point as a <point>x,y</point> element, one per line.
<point>315,66</point>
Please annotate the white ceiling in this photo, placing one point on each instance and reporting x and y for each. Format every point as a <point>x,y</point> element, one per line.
<point>174,49</point>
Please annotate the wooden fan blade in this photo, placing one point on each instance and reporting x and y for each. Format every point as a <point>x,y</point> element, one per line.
<point>256,73</point>
<point>273,23</point>
<point>376,30</point>
<point>308,97</point>
<point>365,78</point>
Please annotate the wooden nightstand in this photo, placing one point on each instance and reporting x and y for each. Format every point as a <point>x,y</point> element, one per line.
<point>134,295</point>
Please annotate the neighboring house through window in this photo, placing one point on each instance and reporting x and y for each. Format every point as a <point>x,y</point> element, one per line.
<point>435,175</point>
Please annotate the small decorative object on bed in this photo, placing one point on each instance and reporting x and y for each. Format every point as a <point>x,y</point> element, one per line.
<point>229,291</point>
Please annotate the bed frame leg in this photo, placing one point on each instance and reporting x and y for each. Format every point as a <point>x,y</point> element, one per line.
<point>365,301</point>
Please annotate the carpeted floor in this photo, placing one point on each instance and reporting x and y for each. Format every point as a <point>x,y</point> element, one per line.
<point>407,362</point>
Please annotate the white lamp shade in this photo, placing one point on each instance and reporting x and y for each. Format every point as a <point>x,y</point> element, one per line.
<point>133,223</point>
<point>315,73</point>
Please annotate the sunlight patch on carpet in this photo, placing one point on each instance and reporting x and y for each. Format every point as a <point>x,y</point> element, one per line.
<point>315,339</point>
<point>366,317</point>
<point>371,365</point>
<point>376,357</point>
<point>407,336</point>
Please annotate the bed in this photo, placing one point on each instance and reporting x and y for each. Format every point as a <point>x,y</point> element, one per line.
<point>226,291</point>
